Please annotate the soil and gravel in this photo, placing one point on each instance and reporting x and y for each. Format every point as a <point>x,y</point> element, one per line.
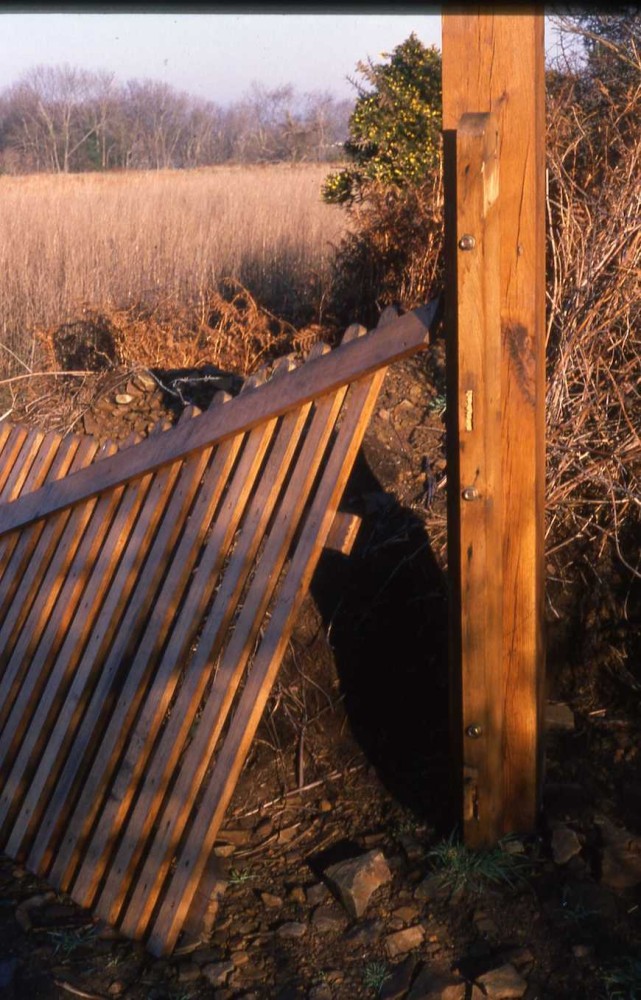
<point>351,763</point>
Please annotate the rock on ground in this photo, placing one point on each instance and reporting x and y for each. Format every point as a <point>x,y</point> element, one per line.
<point>357,879</point>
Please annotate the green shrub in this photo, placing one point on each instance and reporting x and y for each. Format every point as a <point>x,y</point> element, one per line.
<point>395,128</point>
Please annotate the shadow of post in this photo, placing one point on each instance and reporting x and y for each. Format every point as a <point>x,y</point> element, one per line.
<point>385,611</point>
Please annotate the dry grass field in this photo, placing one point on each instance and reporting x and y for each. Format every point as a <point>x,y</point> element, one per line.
<point>112,241</point>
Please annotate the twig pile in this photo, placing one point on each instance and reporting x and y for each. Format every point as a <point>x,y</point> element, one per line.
<point>594,346</point>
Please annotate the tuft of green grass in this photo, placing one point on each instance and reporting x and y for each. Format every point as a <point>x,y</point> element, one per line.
<point>238,876</point>
<point>622,979</point>
<point>68,941</point>
<point>374,975</point>
<point>460,868</point>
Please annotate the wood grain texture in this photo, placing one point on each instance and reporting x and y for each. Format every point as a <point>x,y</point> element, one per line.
<point>198,673</point>
<point>143,632</point>
<point>478,432</point>
<point>199,842</point>
<point>145,635</point>
<point>104,598</point>
<point>495,63</point>
<point>14,613</point>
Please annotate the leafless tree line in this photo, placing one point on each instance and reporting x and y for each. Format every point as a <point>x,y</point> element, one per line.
<point>63,119</point>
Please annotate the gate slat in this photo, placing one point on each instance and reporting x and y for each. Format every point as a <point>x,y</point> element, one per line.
<point>90,732</point>
<point>38,473</point>
<point>233,662</point>
<point>51,615</point>
<point>11,459</point>
<point>16,548</point>
<point>59,818</point>
<point>199,671</point>
<point>103,604</point>
<point>200,841</point>
<point>42,575</point>
<point>105,594</point>
<point>158,697</point>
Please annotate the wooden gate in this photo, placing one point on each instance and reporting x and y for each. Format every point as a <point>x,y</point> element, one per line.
<point>146,598</point>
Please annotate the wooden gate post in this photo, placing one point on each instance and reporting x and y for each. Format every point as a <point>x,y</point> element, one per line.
<point>494,129</point>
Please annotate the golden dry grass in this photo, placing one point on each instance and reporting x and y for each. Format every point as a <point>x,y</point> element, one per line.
<point>113,241</point>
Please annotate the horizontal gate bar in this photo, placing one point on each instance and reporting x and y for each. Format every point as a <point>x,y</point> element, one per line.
<point>345,364</point>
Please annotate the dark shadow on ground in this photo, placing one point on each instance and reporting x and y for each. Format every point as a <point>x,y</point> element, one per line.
<point>385,613</point>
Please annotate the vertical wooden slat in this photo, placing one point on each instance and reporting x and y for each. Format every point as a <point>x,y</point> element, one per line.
<point>13,616</point>
<point>51,616</point>
<point>16,552</point>
<point>160,768</point>
<point>231,668</point>
<point>96,854</point>
<point>63,814</point>
<point>12,457</point>
<point>495,63</point>
<point>36,477</point>
<point>104,596</point>
<point>202,833</point>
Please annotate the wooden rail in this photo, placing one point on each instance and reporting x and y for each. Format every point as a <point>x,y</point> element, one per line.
<point>128,701</point>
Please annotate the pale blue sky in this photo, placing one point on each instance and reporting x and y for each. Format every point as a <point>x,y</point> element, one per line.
<point>216,55</point>
<point>211,55</point>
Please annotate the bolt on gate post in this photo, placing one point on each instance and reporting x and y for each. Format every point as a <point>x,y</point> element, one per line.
<point>494,134</point>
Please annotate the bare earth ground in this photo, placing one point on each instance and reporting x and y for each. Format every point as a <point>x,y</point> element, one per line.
<point>352,757</point>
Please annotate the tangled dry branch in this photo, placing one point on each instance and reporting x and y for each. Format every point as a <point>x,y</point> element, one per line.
<point>594,309</point>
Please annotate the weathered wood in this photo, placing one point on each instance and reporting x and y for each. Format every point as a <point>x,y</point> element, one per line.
<point>13,615</point>
<point>198,675</point>
<point>16,549</point>
<point>495,63</point>
<point>151,611</point>
<point>104,599</point>
<point>350,361</point>
<point>21,453</point>
<point>64,816</point>
<point>36,631</point>
<point>476,500</point>
<point>231,668</point>
<point>51,618</point>
<point>343,532</point>
<point>158,699</point>
<point>231,757</point>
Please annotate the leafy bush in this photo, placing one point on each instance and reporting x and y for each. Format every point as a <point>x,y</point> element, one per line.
<point>395,128</point>
<point>392,188</point>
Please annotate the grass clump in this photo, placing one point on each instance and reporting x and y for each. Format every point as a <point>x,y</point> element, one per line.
<point>622,979</point>
<point>459,868</point>
<point>375,974</point>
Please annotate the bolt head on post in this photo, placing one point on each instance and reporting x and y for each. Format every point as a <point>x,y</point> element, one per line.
<point>466,242</point>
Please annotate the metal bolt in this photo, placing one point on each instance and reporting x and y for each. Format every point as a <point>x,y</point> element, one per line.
<point>466,242</point>
<point>474,731</point>
<point>470,493</point>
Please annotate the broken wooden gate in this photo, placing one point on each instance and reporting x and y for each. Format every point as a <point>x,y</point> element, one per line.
<point>146,598</point>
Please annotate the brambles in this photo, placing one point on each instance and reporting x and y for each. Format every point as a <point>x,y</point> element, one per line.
<point>594,361</point>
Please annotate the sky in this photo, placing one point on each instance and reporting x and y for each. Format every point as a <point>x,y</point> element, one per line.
<point>216,56</point>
